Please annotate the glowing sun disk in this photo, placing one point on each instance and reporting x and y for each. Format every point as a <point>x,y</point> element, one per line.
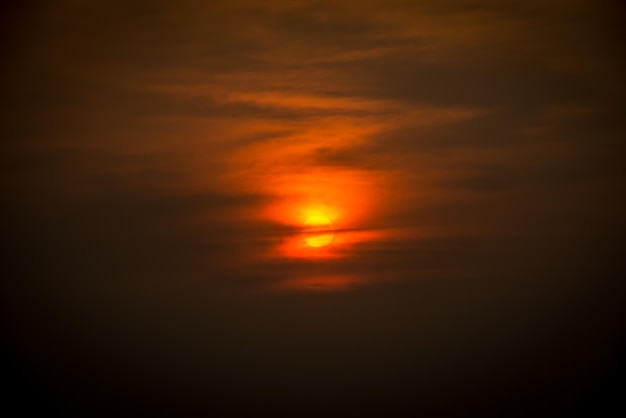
<point>318,231</point>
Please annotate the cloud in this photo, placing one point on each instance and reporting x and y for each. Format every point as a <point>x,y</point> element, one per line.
<point>160,158</point>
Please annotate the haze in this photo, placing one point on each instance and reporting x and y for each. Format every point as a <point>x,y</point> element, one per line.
<point>161,159</point>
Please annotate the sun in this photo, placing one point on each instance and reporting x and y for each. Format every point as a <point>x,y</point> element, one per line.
<point>318,231</point>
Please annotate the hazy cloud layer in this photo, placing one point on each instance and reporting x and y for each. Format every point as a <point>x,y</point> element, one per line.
<point>153,153</point>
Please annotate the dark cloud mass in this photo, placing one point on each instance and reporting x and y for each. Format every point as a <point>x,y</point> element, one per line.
<point>160,160</point>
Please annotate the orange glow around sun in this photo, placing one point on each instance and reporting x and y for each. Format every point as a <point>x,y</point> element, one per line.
<point>327,210</point>
<point>324,208</point>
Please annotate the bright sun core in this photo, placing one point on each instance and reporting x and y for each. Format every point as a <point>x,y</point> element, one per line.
<point>318,231</point>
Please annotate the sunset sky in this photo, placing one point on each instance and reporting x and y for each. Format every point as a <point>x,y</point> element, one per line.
<point>231,208</point>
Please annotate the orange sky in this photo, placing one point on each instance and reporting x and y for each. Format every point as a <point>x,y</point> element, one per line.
<point>161,159</point>
<point>384,116</point>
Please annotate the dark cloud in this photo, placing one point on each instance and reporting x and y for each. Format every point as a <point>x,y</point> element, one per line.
<point>147,145</point>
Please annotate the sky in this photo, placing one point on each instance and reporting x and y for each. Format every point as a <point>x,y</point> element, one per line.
<point>223,208</point>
